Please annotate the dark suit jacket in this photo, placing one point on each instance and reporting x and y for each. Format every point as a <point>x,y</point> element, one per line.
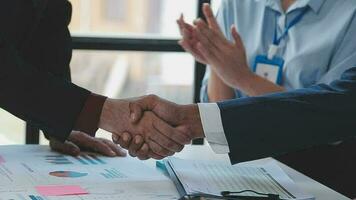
<point>286,122</point>
<point>35,51</point>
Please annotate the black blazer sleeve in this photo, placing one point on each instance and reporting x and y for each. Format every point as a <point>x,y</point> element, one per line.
<point>31,93</point>
<point>285,122</point>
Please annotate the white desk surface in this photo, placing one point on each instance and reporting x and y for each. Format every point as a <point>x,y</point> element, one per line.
<point>204,152</point>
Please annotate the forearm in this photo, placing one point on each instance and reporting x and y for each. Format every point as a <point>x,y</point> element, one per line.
<point>218,90</point>
<point>115,116</point>
<point>254,85</point>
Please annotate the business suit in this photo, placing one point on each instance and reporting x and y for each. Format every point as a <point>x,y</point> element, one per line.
<point>300,123</point>
<point>35,51</point>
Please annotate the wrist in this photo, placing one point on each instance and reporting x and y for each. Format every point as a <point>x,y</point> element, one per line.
<point>191,117</point>
<point>114,116</point>
<point>106,114</point>
<point>244,79</point>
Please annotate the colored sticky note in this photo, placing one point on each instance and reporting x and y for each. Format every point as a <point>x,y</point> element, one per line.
<point>60,190</point>
<point>2,160</point>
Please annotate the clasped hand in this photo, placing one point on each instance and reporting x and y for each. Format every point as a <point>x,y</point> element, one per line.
<point>164,128</point>
<point>149,127</point>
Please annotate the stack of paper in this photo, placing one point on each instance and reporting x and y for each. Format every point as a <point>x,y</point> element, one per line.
<point>36,173</point>
<point>194,178</point>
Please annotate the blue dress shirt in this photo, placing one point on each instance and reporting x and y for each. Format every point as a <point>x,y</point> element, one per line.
<point>316,50</point>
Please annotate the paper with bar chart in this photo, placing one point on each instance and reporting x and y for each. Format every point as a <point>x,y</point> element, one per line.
<point>23,168</point>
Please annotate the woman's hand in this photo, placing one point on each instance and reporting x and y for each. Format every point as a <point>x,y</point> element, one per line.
<point>227,59</point>
<point>189,40</point>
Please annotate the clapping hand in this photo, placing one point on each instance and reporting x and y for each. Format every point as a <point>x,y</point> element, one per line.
<point>206,42</point>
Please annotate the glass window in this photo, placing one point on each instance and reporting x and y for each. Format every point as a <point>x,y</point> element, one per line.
<point>131,74</point>
<point>127,17</point>
<point>12,129</point>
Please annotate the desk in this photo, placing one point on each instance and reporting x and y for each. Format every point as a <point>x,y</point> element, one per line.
<point>307,184</point>
<point>320,191</point>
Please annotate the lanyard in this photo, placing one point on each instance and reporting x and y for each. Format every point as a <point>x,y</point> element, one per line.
<point>276,41</point>
<point>296,20</point>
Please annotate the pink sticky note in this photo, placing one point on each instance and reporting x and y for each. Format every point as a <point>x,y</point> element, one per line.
<point>2,160</point>
<point>61,190</point>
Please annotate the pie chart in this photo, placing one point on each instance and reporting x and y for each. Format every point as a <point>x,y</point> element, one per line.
<point>68,174</point>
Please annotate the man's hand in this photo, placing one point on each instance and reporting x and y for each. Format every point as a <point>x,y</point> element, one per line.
<point>78,142</point>
<point>162,139</point>
<point>176,115</point>
<point>185,117</point>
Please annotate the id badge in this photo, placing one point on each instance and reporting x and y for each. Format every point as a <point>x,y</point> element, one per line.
<point>271,70</point>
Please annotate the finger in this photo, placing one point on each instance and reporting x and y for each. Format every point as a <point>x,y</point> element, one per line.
<point>100,147</point>
<point>210,18</point>
<point>188,27</point>
<point>210,38</point>
<point>192,50</point>
<point>136,145</point>
<point>153,155</point>
<point>207,54</point>
<point>174,134</point>
<point>115,148</point>
<point>236,36</point>
<point>183,25</point>
<point>183,129</point>
<point>66,148</point>
<point>187,35</point>
<point>145,157</point>
<point>179,22</point>
<point>137,107</point>
<point>158,149</point>
<point>125,140</point>
<point>142,153</point>
<point>92,144</point>
<point>166,142</point>
<point>208,44</point>
<point>136,112</point>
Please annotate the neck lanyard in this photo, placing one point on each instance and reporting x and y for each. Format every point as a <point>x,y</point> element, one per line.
<point>276,41</point>
<point>296,20</point>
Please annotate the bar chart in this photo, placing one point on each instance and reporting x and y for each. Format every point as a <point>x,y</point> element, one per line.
<point>113,174</point>
<point>57,160</point>
<point>89,159</point>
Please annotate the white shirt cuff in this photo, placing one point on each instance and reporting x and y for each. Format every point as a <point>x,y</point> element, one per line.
<point>213,127</point>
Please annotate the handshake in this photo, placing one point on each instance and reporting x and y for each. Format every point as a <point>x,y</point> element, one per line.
<point>148,127</point>
<point>151,127</point>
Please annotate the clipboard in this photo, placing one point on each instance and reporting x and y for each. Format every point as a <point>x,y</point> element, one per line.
<point>184,195</point>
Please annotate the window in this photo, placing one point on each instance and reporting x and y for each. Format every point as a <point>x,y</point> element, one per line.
<point>11,129</point>
<point>130,17</point>
<point>131,74</point>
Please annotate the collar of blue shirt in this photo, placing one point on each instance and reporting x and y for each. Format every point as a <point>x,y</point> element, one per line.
<point>315,5</point>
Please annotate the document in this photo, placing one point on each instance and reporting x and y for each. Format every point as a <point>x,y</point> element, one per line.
<point>25,169</point>
<point>213,177</point>
<point>157,190</point>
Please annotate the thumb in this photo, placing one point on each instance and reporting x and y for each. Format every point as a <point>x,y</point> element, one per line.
<point>236,36</point>
<point>136,112</point>
<point>139,106</point>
